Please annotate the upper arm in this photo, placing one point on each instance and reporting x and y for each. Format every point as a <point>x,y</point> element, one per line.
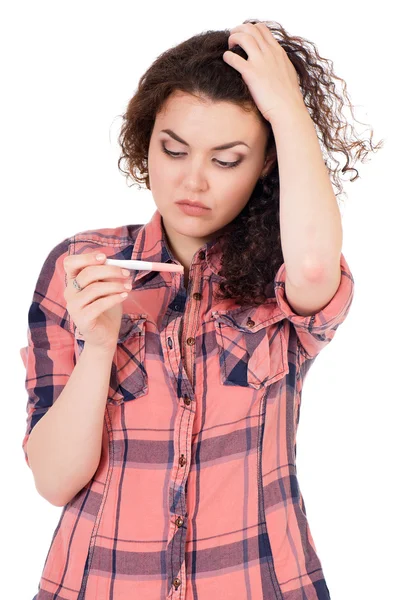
<point>318,310</point>
<point>49,356</point>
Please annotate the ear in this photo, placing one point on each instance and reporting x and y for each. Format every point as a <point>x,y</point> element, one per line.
<point>269,162</point>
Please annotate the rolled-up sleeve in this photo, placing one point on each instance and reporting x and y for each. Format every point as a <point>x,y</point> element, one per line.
<point>49,357</point>
<point>314,332</point>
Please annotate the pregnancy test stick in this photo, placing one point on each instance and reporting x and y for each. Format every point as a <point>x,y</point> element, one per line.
<point>145,265</point>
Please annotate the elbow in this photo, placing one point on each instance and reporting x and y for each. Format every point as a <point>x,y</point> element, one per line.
<point>54,500</point>
<point>42,486</point>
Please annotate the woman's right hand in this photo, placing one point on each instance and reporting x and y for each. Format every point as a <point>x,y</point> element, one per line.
<point>96,309</point>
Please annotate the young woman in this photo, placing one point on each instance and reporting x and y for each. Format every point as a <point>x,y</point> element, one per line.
<point>165,422</point>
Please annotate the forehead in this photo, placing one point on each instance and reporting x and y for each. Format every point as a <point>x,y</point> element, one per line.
<point>191,116</point>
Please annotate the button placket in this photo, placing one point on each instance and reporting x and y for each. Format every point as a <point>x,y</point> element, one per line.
<point>190,341</point>
<point>182,460</point>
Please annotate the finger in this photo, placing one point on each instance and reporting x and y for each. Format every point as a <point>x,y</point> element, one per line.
<point>268,35</point>
<point>254,32</point>
<point>73,264</point>
<point>253,45</point>
<point>237,62</point>
<point>110,273</point>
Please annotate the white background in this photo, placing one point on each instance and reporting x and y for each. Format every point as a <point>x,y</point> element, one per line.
<point>68,71</point>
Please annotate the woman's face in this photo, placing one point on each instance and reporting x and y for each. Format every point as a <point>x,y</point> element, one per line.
<point>200,173</point>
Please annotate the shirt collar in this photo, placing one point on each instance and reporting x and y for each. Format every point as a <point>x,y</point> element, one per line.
<point>151,244</point>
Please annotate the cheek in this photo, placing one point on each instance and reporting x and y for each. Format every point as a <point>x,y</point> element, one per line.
<point>237,186</point>
<point>161,175</point>
<point>235,195</point>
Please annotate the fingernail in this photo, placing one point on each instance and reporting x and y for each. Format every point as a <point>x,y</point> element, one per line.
<point>100,256</point>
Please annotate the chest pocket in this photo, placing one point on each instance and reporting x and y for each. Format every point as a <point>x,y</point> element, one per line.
<point>252,345</point>
<point>129,377</point>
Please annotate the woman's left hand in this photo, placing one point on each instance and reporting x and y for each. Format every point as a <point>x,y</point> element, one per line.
<point>268,72</point>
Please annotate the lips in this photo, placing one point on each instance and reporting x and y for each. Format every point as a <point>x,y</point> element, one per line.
<point>191,203</point>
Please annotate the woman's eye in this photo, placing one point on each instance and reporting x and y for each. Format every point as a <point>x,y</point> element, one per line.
<point>225,165</point>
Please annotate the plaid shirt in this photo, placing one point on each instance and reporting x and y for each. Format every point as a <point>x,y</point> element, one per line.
<point>196,494</point>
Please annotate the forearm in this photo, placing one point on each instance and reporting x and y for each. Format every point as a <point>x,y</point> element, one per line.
<point>64,447</point>
<point>310,221</point>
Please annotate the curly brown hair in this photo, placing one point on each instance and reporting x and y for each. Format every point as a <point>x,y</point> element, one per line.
<point>196,66</point>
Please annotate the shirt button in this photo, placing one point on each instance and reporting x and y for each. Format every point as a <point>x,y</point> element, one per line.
<point>176,583</point>
<point>250,322</point>
<point>197,296</point>
<point>190,341</point>
<point>182,461</point>
<point>187,401</point>
<point>179,522</point>
<point>202,254</point>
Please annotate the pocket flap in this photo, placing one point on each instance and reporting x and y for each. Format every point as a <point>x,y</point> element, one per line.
<point>128,377</point>
<point>252,345</point>
<point>130,324</point>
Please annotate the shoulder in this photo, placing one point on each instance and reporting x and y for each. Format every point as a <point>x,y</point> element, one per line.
<point>115,239</point>
<point>122,236</point>
<point>112,240</point>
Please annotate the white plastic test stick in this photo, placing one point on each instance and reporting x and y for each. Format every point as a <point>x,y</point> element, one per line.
<point>145,265</point>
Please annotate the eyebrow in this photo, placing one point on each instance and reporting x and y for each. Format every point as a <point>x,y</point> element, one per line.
<point>222,147</point>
